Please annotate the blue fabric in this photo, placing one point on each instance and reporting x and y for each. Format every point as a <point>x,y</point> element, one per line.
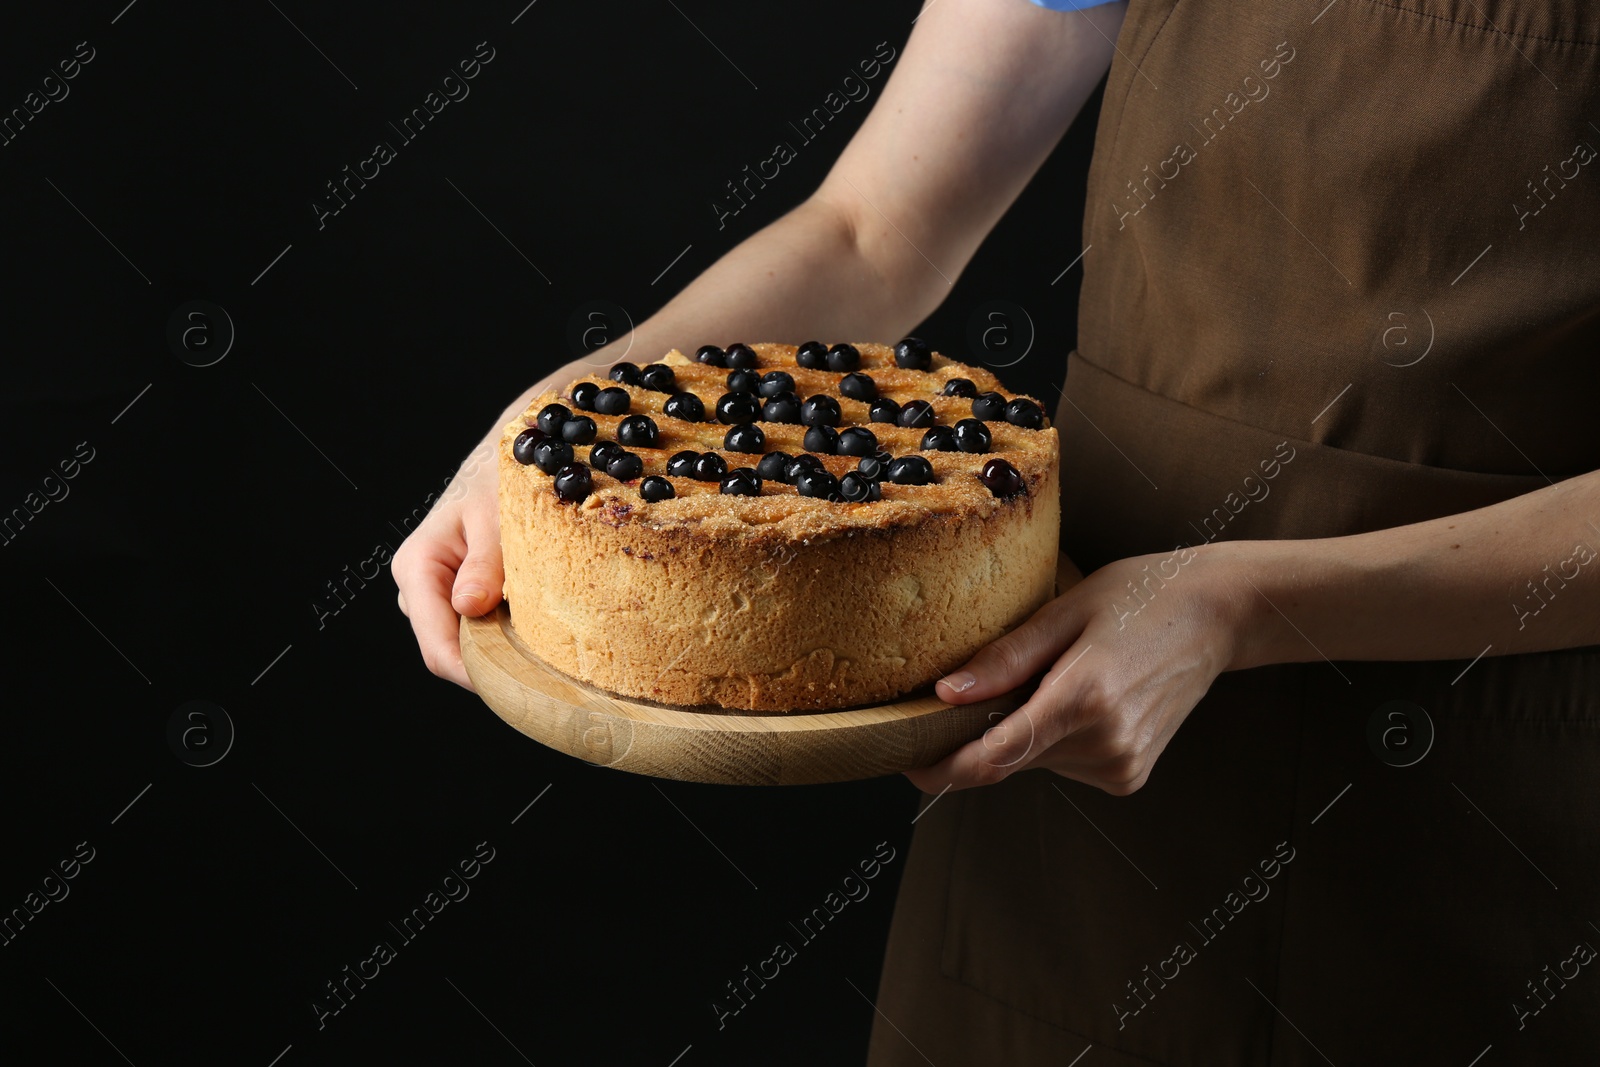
<point>1069,5</point>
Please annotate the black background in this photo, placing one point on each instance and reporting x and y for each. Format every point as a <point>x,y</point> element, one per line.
<point>367,361</point>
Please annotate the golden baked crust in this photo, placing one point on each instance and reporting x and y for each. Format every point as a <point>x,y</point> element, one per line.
<point>778,602</point>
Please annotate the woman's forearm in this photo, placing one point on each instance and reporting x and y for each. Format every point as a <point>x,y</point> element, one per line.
<point>984,91</point>
<point>1522,575</point>
<point>804,277</point>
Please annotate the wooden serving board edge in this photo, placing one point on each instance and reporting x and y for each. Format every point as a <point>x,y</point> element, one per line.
<point>705,746</point>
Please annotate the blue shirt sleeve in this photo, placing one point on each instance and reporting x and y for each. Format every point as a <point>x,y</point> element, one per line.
<point>1069,5</point>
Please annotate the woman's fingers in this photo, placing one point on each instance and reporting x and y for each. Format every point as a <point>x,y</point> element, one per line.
<point>425,580</point>
<point>451,566</point>
<point>1108,706</point>
<point>478,584</point>
<point>1006,663</point>
<point>1016,740</point>
<point>1004,748</point>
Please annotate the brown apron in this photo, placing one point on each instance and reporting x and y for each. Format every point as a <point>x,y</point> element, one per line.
<point>1343,274</point>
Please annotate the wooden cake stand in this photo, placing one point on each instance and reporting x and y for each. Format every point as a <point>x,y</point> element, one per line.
<point>710,744</point>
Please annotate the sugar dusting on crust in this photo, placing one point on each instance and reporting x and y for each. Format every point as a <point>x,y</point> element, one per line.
<point>956,491</point>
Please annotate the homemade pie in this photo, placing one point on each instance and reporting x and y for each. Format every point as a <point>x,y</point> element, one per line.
<point>776,528</point>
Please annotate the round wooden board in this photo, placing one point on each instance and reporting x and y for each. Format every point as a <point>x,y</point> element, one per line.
<point>709,744</point>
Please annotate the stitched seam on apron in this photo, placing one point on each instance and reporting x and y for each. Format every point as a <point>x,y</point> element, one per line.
<point>1481,28</point>
<point>1122,105</point>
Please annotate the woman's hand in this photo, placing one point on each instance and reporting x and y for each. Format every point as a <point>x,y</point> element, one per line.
<point>450,565</point>
<point>1130,650</point>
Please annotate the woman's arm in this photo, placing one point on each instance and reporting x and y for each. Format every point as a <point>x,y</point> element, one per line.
<point>983,92</point>
<point>1519,576</point>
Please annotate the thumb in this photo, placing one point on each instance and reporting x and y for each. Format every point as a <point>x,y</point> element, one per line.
<point>482,573</point>
<point>1007,662</point>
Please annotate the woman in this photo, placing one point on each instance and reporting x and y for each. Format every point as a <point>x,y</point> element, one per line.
<point>1329,463</point>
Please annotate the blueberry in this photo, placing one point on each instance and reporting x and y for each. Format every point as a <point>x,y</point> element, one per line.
<point>741,482</point>
<point>939,439</point>
<point>910,470</point>
<point>522,448</point>
<point>960,387</point>
<point>772,466</point>
<point>685,406</point>
<point>711,356</point>
<point>913,354</point>
<point>1002,478</point>
<point>823,439</point>
<point>658,377</point>
<point>858,387</point>
<point>743,381</point>
<point>601,455</point>
<point>741,356</point>
<point>857,441</point>
<point>813,355</point>
<point>578,430</point>
<point>774,382</point>
<point>873,467</point>
<point>916,414</point>
<point>551,454</point>
<point>709,467</point>
<point>583,395</point>
<point>612,401</point>
<point>843,358</point>
<point>990,407</point>
<point>626,373</point>
<point>638,431</point>
<point>1025,413</point>
<point>551,416</point>
<point>799,465</point>
<point>681,465</point>
<point>656,488</point>
<point>820,410</point>
<point>817,483</point>
<point>856,488</point>
<point>785,407</point>
<point>884,410</point>
<point>735,408</point>
<point>573,483</point>
<point>972,436</point>
<point>746,437</point>
<point>625,465</point>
